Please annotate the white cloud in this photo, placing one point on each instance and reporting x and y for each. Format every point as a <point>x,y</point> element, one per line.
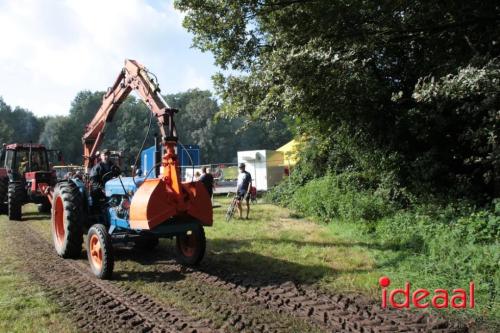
<point>194,79</point>
<point>53,49</point>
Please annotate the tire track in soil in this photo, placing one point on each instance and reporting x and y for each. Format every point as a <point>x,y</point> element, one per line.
<point>94,305</point>
<point>338,313</point>
<point>236,314</point>
<point>331,312</point>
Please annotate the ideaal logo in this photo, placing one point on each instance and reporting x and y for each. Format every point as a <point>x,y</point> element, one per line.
<point>423,298</point>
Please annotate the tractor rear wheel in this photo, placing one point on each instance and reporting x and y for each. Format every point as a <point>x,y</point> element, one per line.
<point>4,188</point>
<point>100,252</point>
<point>190,247</point>
<point>15,201</point>
<point>67,220</point>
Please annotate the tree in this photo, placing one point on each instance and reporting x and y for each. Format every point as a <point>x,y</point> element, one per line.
<point>220,138</point>
<point>194,121</point>
<point>196,124</point>
<point>55,135</point>
<point>18,125</point>
<point>349,73</point>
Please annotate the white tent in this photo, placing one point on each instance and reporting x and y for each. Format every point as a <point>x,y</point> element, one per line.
<point>265,167</point>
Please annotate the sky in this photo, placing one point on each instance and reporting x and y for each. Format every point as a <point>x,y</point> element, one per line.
<point>52,49</point>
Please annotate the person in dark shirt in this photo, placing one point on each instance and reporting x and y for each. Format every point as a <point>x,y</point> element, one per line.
<point>243,189</point>
<point>99,175</point>
<point>102,171</point>
<point>208,180</point>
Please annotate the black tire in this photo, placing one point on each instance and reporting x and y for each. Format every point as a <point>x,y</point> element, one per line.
<point>67,220</point>
<point>190,249</point>
<point>15,201</point>
<point>44,207</point>
<point>146,243</point>
<point>4,189</point>
<point>102,260</point>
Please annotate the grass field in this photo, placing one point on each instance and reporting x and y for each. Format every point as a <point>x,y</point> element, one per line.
<point>24,307</point>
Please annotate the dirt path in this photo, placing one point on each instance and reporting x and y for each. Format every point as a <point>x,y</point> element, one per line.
<point>94,305</point>
<point>254,305</point>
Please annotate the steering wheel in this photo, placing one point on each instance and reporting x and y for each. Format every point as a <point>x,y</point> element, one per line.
<point>115,172</point>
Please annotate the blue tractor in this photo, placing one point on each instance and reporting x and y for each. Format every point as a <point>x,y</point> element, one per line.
<point>139,209</point>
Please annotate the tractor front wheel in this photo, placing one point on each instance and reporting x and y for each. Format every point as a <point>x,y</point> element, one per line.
<point>190,247</point>
<point>15,201</point>
<point>67,220</point>
<point>100,251</point>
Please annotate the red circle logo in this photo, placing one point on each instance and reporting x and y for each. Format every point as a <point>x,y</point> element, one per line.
<point>384,281</point>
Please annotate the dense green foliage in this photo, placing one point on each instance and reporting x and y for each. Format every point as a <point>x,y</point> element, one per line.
<point>449,246</point>
<point>332,197</point>
<point>219,139</point>
<point>406,90</point>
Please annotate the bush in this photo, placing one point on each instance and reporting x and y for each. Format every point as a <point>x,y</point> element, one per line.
<point>348,196</point>
<point>481,227</point>
<point>457,244</point>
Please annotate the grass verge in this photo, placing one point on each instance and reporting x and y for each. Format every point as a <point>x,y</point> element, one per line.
<point>24,307</point>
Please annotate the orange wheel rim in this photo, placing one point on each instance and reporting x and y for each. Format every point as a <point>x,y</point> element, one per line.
<point>95,251</point>
<point>59,220</point>
<point>188,245</point>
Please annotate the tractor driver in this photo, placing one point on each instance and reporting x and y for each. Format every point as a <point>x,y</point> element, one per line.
<point>102,171</point>
<point>23,166</point>
<point>99,175</point>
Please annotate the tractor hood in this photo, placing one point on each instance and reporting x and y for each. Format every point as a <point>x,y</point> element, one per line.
<point>114,186</point>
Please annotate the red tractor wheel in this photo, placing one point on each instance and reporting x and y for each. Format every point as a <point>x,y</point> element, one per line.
<point>58,221</point>
<point>100,251</point>
<point>67,220</point>
<point>190,247</point>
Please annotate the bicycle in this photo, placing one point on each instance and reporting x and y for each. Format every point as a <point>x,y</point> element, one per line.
<point>232,208</point>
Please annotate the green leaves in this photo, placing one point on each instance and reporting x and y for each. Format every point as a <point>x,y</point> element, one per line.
<point>361,72</point>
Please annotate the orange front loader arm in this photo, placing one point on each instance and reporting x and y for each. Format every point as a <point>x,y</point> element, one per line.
<point>133,76</point>
<point>157,199</point>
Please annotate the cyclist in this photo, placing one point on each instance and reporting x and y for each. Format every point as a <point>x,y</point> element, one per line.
<point>243,189</point>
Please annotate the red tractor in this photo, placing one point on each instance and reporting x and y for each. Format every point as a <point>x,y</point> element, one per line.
<point>24,173</point>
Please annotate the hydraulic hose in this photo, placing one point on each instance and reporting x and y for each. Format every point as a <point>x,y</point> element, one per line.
<point>142,147</point>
